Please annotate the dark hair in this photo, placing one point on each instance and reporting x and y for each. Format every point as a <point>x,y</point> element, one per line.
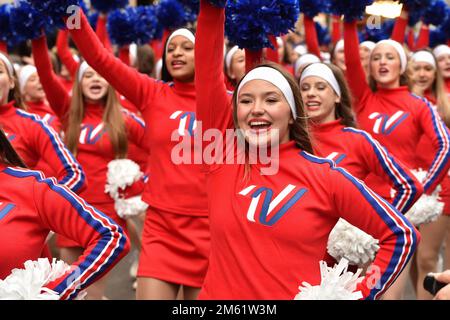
<point>165,75</point>
<point>298,131</point>
<point>8,155</point>
<point>145,60</point>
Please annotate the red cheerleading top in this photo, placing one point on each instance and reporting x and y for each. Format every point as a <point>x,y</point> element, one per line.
<point>34,141</point>
<point>168,109</point>
<point>43,110</point>
<point>396,117</point>
<point>95,150</point>
<point>357,152</point>
<point>31,206</point>
<point>65,54</point>
<point>265,248</point>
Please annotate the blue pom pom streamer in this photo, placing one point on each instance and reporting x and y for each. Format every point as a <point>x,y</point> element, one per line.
<point>437,37</point>
<point>415,16</point>
<point>108,5</point>
<point>171,14</point>
<point>323,34</point>
<point>54,10</point>
<point>5,29</point>
<point>26,22</point>
<point>436,13</point>
<point>218,3</point>
<point>250,22</point>
<point>312,8</point>
<point>147,27</point>
<point>351,9</point>
<point>414,5</point>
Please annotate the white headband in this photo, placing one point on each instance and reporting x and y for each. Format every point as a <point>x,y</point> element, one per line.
<point>339,45</point>
<point>304,60</point>
<point>368,44</point>
<point>82,70</point>
<point>280,42</point>
<point>8,64</point>
<point>300,49</point>
<point>441,50</point>
<point>274,77</point>
<point>133,53</point>
<point>229,56</point>
<point>398,47</point>
<point>322,71</point>
<point>24,75</point>
<point>424,56</point>
<point>326,56</point>
<point>181,32</point>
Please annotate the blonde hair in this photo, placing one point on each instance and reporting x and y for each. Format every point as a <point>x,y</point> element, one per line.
<point>112,119</point>
<point>14,93</point>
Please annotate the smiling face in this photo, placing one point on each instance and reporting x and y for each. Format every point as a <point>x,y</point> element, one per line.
<point>319,99</point>
<point>262,111</point>
<point>94,87</point>
<point>444,65</point>
<point>33,90</point>
<point>385,66</point>
<point>422,75</point>
<point>180,60</point>
<point>6,83</point>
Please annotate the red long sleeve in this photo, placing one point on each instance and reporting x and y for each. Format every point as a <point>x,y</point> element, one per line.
<point>124,55</point>
<point>423,41</point>
<point>55,91</point>
<point>355,74</point>
<point>411,40</point>
<point>336,33</point>
<point>399,31</point>
<point>312,42</point>
<point>272,54</point>
<point>62,45</point>
<point>102,33</point>
<point>3,47</point>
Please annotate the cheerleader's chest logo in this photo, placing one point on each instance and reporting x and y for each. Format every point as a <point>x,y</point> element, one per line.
<point>385,124</point>
<point>91,134</point>
<point>5,209</point>
<point>186,122</point>
<point>271,207</point>
<point>336,157</point>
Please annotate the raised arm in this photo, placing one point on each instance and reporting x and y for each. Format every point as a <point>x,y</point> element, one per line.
<point>49,147</point>
<point>57,95</point>
<point>102,32</point>
<point>391,170</point>
<point>104,242</point>
<point>62,46</point>
<point>336,33</point>
<point>355,74</point>
<point>311,39</point>
<point>124,55</point>
<point>136,87</point>
<point>433,126</point>
<point>213,102</point>
<point>362,208</point>
<point>423,41</point>
<point>399,31</point>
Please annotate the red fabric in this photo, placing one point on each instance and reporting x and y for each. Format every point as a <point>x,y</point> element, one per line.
<point>102,33</point>
<point>124,55</point>
<point>411,41</point>
<point>272,54</point>
<point>253,260</point>
<point>361,157</point>
<point>39,206</point>
<point>311,39</point>
<point>42,109</point>
<point>252,59</point>
<point>399,31</point>
<point>414,117</point>
<point>174,187</point>
<point>67,84</point>
<point>34,141</point>
<point>3,47</point>
<point>175,248</point>
<point>158,45</point>
<point>423,41</point>
<point>336,33</point>
<point>64,53</point>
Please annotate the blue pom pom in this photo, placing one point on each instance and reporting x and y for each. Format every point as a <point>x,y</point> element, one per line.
<point>351,9</point>
<point>437,37</point>
<point>218,3</point>
<point>323,34</point>
<point>93,19</point>
<point>378,34</point>
<point>445,26</point>
<point>5,29</point>
<point>108,5</point>
<point>413,5</point>
<point>147,27</point>
<point>121,26</point>
<point>26,22</point>
<point>436,13</point>
<point>171,14</point>
<point>192,8</point>
<point>54,10</point>
<point>415,16</point>
<point>312,8</point>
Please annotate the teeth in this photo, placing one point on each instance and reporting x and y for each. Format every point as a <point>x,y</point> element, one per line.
<point>259,123</point>
<point>312,104</point>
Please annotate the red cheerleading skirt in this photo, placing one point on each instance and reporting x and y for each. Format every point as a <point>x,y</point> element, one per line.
<point>108,209</point>
<point>175,248</point>
<point>445,195</point>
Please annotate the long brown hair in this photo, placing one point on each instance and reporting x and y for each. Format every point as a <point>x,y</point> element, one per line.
<point>14,93</point>
<point>298,131</point>
<point>112,119</point>
<point>8,155</point>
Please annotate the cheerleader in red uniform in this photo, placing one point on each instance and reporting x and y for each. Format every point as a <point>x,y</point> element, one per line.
<point>326,97</point>
<point>269,231</point>
<point>175,239</point>
<point>97,131</point>
<point>37,143</point>
<point>31,206</point>
<point>394,116</point>
<point>427,82</point>
<point>234,66</point>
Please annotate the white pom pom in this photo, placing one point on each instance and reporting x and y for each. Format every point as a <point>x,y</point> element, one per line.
<point>336,284</point>
<point>121,173</point>
<point>29,283</point>
<point>131,207</point>
<point>428,208</point>
<point>349,242</point>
